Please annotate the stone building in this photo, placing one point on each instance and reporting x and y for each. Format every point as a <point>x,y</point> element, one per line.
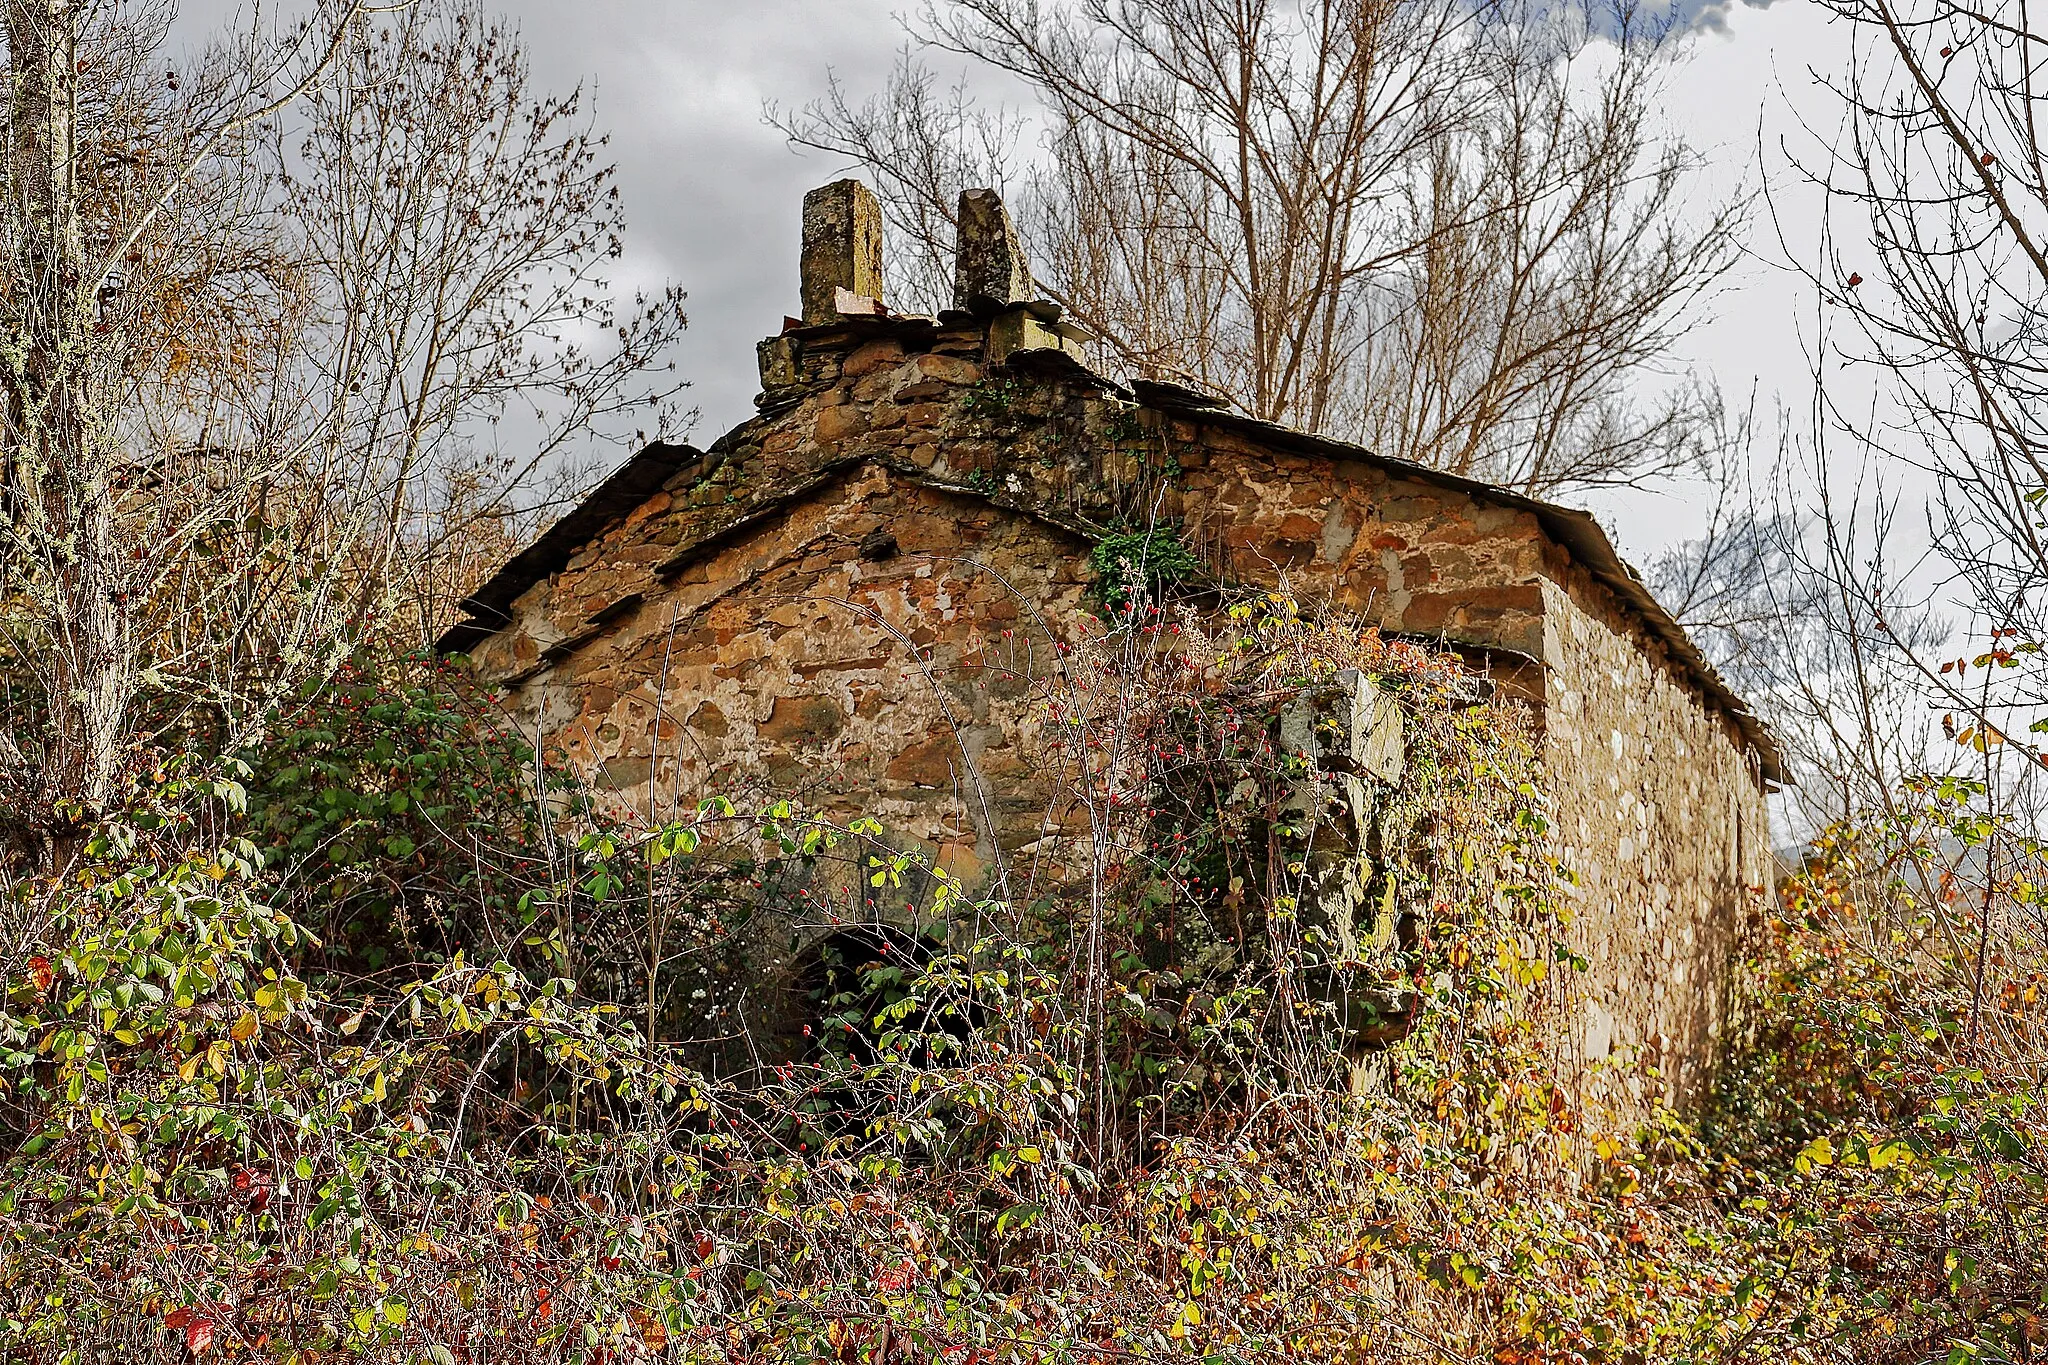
<point>844,594</point>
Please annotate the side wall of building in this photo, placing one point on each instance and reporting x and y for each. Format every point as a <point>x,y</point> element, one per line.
<point>1662,819</point>
<point>1418,559</point>
<point>1661,812</point>
<point>1415,558</point>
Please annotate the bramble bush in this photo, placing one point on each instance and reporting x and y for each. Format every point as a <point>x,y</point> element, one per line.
<point>1884,1089</point>
<point>1131,1115</point>
<point>207,1156</point>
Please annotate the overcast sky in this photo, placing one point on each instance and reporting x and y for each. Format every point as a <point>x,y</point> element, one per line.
<point>713,194</point>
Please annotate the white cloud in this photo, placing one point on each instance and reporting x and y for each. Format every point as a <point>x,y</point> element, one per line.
<point>1747,99</point>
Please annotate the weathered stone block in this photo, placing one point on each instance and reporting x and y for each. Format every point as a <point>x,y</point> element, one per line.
<point>948,369</point>
<point>875,355</point>
<point>627,772</point>
<point>803,720</point>
<point>781,363</point>
<point>836,424</point>
<point>1017,330</point>
<point>989,270</point>
<point>842,248</point>
<point>930,762</point>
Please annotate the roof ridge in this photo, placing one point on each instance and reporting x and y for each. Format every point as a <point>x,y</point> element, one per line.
<point>1574,529</point>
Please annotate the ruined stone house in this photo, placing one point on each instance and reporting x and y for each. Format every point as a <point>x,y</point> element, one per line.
<point>813,603</point>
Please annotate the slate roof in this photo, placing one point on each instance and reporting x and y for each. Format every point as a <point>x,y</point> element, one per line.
<point>489,608</point>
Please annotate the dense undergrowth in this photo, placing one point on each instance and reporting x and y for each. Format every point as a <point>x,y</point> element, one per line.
<point>379,1044</point>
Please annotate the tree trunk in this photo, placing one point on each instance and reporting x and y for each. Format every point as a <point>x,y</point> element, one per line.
<point>61,510</point>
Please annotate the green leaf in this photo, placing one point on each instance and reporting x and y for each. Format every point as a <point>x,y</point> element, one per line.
<point>1017,1217</point>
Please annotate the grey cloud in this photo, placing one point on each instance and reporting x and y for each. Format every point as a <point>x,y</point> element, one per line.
<point>713,193</point>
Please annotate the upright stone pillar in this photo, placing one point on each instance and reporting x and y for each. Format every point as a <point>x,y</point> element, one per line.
<point>842,248</point>
<point>1350,736</point>
<point>989,270</point>
<point>1352,739</point>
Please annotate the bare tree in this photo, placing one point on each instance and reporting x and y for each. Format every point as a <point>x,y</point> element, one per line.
<point>264,312</point>
<point>1784,590</point>
<point>103,163</point>
<point>1931,291</point>
<point>1929,288</point>
<point>1449,230</point>
<point>1938,292</point>
<point>461,227</point>
<point>1930,374</point>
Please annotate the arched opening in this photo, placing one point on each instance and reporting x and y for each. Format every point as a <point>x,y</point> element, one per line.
<point>848,992</point>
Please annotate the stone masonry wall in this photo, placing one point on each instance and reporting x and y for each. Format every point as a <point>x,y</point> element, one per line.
<point>791,662</point>
<point>1663,822</point>
<point>849,595</point>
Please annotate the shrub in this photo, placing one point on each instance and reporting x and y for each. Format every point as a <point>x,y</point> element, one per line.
<point>208,1155</point>
<point>1130,565</point>
<point>1883,1087</point>
<point>1130,1115</point>
<point>400,816</point>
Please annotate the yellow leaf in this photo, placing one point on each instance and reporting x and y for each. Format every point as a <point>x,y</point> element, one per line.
<point>245,1027</point>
